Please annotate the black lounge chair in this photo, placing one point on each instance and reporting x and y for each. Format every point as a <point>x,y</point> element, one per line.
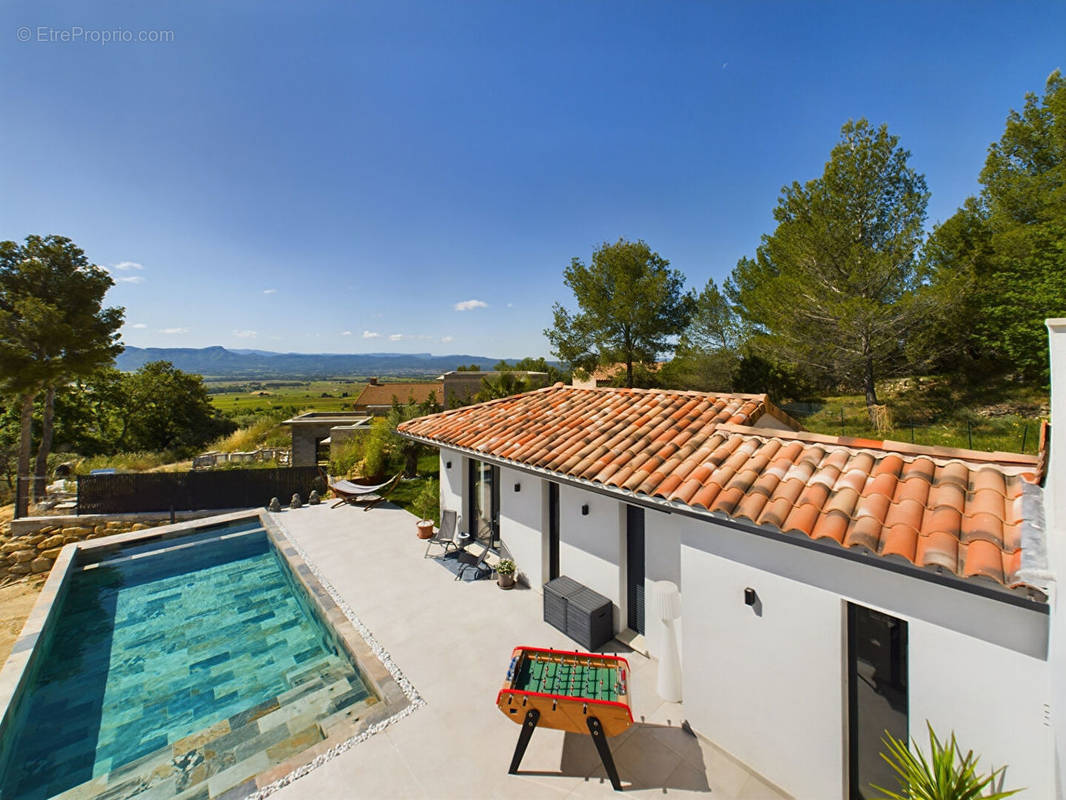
<point>470,561</point>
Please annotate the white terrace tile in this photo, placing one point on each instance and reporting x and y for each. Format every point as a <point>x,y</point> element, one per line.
<point>453,640</point>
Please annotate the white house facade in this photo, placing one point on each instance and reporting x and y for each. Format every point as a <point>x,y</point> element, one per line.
<point>798,649</point>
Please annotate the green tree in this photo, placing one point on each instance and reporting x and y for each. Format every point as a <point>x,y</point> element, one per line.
<point>1004,252</point>
<point>630,304</point>
<point>408,450</point>
<point>505,384</point>
<point>167,409</point>
<point>709,351</point>
<point>530,364</point>
<point>90,413</point>
<point>836,286</point>
<point>53,328</point>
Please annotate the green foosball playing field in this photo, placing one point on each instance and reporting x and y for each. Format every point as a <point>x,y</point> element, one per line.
<point>549,674</point>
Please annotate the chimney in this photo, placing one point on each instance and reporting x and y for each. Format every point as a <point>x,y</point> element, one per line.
<point>1055,526</point>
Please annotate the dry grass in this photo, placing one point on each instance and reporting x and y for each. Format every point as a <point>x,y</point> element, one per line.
<point>16,602</point>
<point>263,432</point>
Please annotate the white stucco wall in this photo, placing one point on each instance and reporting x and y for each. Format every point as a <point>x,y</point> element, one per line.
<point>451,484</point>
<point>1055,511</point>
<point>521,522</point>
<point>993,698</point>
<point>590,546</point>
<point>765,688</point>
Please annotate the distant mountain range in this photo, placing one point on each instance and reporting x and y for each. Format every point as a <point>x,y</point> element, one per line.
<point>218,362</point>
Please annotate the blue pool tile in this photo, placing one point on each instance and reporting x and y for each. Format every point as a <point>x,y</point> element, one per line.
<point>149,651</point>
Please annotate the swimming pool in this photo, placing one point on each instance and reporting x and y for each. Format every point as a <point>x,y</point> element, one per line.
<point>203,657</point>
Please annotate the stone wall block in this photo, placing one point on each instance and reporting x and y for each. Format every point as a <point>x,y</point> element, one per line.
<point>52,541</point>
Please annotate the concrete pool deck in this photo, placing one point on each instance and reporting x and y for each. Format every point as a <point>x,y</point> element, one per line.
<point>453,641</point>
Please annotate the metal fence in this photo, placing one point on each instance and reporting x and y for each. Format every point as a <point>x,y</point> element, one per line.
<point>193,491</point>
<point>1002,434</point>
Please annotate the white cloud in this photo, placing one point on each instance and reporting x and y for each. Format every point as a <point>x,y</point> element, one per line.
<point>409,337</point>
<point>123,266</point>
<point>346,333</point>
<point>470,305</point>
<point>510,305</point>
<point>371,335</point>
<point>130,279</point>
<point>244,334</point>
<point>270,291</point>
<point>138,325</point>
<point>446,339</point>
<point>172,331</point>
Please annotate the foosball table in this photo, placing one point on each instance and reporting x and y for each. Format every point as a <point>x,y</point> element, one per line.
<point>568,691</point>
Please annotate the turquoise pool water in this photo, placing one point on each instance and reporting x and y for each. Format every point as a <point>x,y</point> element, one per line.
<point>159,643</point>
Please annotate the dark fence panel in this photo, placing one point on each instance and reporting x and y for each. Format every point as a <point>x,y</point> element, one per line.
<point>193,491</point>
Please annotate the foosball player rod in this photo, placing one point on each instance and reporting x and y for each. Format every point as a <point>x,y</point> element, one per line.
<point>532,717</point>
<point>600,740</point>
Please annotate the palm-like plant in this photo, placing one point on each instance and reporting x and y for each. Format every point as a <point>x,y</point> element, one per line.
<point>947,775</point>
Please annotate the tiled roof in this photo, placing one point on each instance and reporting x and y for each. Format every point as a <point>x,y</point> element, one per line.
<point>381,394</point>
<point>956,510</point>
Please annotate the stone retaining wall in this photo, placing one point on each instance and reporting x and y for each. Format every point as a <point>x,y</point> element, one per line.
<point>34,553</point>
<point>29,546</point>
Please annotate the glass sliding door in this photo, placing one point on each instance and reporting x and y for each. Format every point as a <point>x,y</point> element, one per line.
<point>553,530</point>
<point>484,502</point>
<point>877,697</point>
<point>635,568</point>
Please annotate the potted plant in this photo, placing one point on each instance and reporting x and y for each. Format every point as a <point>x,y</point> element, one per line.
<point>505,573</point>
<point>427,506</point>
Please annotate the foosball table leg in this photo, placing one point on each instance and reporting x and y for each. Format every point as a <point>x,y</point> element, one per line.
<point>532,717</point>
<point>596,729</point>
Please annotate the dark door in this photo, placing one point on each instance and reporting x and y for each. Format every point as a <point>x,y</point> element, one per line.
<point>635,568</point>
<point>553,531</point>
<point>877,697</point>
<point>484,502</point>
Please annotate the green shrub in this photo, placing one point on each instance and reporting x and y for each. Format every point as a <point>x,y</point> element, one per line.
<point>946,775</point>
<point>427,502</point>
<point>348,455</point>
<point>377,452</point>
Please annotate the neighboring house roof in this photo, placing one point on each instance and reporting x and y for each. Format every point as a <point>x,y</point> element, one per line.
<point>608,372</point>
<point>381,394</point>
<point>955,510</point>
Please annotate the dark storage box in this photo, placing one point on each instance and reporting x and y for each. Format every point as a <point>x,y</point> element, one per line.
<point>582,614</point>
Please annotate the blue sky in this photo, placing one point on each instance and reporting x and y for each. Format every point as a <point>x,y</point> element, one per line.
<point>348,178</point>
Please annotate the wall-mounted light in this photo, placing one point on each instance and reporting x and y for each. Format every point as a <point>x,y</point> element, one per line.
<point>749,597</point>
<point>585,510</point>
<point>518,487</point>
<point>447,464</point>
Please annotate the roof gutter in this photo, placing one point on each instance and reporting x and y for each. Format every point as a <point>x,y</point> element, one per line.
<point>938,575</point>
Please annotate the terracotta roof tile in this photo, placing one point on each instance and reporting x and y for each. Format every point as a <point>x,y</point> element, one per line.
<point>955,510</point>
<point>382,394</point>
